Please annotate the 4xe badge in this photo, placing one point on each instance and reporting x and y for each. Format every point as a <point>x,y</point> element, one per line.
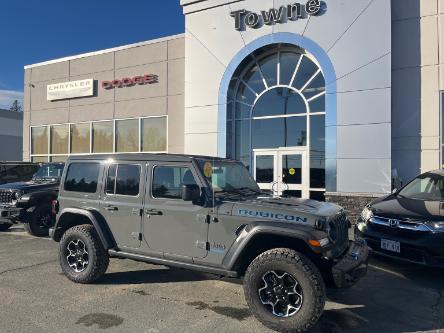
<point>272,16</point>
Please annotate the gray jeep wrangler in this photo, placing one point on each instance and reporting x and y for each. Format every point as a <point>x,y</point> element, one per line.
<point>206,214</point>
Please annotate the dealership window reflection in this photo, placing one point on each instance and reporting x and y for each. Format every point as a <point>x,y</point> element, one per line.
<point>59,139</point>
<point>80,138</point>
<point>276,100</point>
<point>55,143</point>
<point>127,136</point>
<point>102,137</point>
<point>154,134</point>
<point>39,138</point>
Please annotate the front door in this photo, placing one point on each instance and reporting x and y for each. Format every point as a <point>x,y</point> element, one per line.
<point>173,226</point>
<point>282,171</point>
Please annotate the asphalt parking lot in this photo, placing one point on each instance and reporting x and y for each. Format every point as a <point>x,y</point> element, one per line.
<point>135,297</point>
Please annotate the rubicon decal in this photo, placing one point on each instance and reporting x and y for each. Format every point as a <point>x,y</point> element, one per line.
<point>129,82</point>
<point>271,216</point>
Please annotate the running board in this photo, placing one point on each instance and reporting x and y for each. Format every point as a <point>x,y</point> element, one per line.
<point>173,263</point>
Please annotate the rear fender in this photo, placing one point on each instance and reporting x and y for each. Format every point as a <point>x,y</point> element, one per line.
<point>65,218</point>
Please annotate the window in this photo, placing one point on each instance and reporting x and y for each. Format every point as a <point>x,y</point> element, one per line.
<point>127,135</point>
<point>62,158</point>
<point>49,171</point>
<point>428,187</point>
<point>168,181</point>
<point>82,177</point>
<point>80,138</point>
<point>154,134</point>
<point>227,176</point>
<point>39,140</point>
<point>277,99</point>
<point>442,130</point>
<point>317,151</point>
<point>59,139</point>
<point>102,137</point>
<point>39,159</point>
<point>57,142</point>
<point>279,132</point>
<point>123,179</point>
<point>111,179</point>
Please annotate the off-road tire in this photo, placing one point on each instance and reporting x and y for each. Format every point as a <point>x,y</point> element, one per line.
<point>309,279</point>
<point>5,226</point>
<point>32,223</point>
<point>98,258</point>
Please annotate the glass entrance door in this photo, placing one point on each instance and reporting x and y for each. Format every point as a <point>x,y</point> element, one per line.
<point>282,172</point>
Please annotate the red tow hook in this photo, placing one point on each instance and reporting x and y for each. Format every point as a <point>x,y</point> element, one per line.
<point>55,207</point>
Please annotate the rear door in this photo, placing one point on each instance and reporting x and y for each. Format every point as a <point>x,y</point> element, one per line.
<point>123,201</point>
<point>175,227</point>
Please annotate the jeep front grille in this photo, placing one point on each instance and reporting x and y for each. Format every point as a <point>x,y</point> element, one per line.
<point>339,228</point>
<point>6,196</point>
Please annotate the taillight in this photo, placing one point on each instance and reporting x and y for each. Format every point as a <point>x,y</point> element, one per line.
<point>55,207</point>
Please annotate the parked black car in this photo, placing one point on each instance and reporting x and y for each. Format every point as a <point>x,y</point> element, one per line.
<point>30,202</point>
<point>17,171</point>
<point>409,223</point>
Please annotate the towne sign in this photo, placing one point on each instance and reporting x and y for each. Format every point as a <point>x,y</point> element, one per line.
<point>244,18</point>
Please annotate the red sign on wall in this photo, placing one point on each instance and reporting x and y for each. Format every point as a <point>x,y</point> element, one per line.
<point>129,82</point>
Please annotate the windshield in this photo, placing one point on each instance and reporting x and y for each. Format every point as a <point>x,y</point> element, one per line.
<point>425,187</point>
<point>49,171</point>
<point>228,177</point>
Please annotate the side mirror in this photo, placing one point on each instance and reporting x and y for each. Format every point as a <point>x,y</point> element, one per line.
<point>394,191</point>
<point>190,192</point>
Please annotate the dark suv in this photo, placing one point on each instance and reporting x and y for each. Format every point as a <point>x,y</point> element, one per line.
<point>408,224</point>
<point>11,172</point>
<point>206,214</point>
<point>30,201</point>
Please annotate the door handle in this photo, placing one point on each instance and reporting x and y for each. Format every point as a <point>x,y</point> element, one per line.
<point>111,208</point>
<point>153,212</point>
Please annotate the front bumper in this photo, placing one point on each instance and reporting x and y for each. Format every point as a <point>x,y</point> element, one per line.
<point>424,248</point>
<point>10,213</point>
<point>352,266</point>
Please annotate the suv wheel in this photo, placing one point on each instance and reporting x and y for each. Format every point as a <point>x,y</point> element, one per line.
<point>39,221</point>
<point>284,290</point>
<point>5,226</point>
<point>82,256</point>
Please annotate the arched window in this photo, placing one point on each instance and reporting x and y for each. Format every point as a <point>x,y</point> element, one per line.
<point>276,100</point>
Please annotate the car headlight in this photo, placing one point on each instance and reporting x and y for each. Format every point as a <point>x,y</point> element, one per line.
<point>16,196</point>
<point>366,214</point>
<point>436,226</point>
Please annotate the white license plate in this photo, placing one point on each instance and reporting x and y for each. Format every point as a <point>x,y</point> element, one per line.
<point>390,245</point>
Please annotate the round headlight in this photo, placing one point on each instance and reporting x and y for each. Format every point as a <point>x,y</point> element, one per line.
<point>366,214</point>
<point>18,195</point>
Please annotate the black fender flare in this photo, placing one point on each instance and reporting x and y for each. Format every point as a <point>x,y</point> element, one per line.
<point>249,232</point>
<point>38,198</point>
<point>97,220</point>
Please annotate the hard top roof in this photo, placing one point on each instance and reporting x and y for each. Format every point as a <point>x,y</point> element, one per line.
<point>439,172</point>
<point>146,157</point>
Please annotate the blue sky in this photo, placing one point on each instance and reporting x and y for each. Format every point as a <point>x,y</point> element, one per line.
<point>32,31</point>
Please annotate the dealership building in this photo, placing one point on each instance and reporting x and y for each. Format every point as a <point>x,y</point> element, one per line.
<point>335,99</point>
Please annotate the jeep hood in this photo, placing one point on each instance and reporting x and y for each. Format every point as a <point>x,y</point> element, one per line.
<point>29,186</point>
<point>283,209</point>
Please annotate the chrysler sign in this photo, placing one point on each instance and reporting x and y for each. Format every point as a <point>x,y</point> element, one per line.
<point>72,89</point>
<point>292,12</point>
